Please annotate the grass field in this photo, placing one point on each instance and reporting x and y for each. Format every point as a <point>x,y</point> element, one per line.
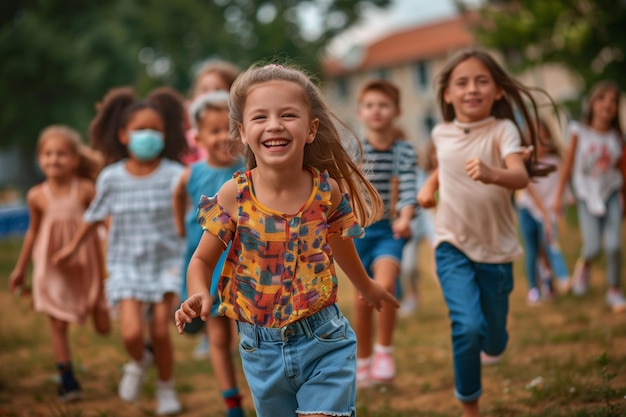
<point>565,358</point>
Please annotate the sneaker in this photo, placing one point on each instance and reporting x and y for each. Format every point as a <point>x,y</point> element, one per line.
<point>167,401</point>
<point>563,286</point>
<point>408,306</point>
<point>130,384</point>
<point>534,297</point>
<point>202,349</point>
<point>489,359</point>
<point>363,373</point>
<point>615,300</point>
<point>383,366</point>
<point>580,278</point>
<point>547,291</point>
<point>69,392</point>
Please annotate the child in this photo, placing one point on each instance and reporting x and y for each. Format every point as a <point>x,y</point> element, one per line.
<point>480,163</point>
<point>144,251</point>
<point>538,223</point>
<point>422,229</point>
<point>73,291</point>
<point>214,75</point>
<point>593,161</point>
<point>286,221</point>
<point>389,163</point>
<point>210,115</point>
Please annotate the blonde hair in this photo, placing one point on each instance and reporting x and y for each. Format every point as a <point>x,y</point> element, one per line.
<point>327,152</point>
<point>90,160</point>
<point>225,70</point>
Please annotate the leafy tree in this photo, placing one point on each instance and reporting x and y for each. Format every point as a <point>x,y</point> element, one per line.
<point>61,56</point>
<point>587,37</point>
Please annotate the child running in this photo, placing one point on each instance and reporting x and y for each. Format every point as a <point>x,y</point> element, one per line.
<point>287,220</point>
<point>144,251</point>
<point>389,162</point>
<point>71,292</point>
<point>210,115</point>
<point>538,224</point>
<point>480,162</point>
<point>596,150</point>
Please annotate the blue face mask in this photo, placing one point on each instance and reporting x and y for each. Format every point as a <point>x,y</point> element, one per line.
<point>146,144</point>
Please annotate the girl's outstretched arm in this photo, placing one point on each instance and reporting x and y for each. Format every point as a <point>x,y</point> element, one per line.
<point>566,171</point>
<point>199,275</point>
<point>66,251</point>
<point>513,176</point>
<point>16,279</point>
<point>179,202</point>
<point>426,195</point>
<point>347,258</point>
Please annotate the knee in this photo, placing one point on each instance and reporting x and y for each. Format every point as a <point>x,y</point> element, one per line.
<point>468,334</point>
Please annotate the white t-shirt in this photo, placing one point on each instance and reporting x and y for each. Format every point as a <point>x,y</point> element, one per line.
<point>477,218</point>
<point>544,188</point>
<point>596,174</point>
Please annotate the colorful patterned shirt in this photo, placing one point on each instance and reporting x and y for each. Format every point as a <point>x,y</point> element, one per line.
<point>280,267</point>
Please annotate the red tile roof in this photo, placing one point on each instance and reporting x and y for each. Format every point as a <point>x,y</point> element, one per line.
<point>415,44</point>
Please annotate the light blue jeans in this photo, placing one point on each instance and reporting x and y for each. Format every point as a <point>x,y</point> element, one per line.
<point>534,237</point>
<point>477,295</point>
<point>307,367</point>
<point>609,227</point>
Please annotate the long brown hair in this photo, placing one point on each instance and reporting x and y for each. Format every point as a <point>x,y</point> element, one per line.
<point>328,150</point>
<point>516,97</point>
<point>596,91</point>
<point>90,160</point>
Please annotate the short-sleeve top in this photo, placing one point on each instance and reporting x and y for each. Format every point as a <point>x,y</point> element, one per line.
<point>280,267</point>
<point>477,218</point>
<point>596,174</point>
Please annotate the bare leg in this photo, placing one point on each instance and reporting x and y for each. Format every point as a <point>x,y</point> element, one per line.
<point>60,342</point>
<point>162,343</point>
<point>470,409</point>
<point>386,272</point>
<point>131,327</point>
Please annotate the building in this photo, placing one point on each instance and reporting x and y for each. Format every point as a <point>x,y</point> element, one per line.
<point>411,59</point>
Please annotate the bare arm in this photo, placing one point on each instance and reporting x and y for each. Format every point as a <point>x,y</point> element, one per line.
<point>66,251</point>
<point>513,176</point>
<point>16,279</point>
<point>566,172</point>
<point>347,258</point>
<point>426,195</point>
<point>180,203</point>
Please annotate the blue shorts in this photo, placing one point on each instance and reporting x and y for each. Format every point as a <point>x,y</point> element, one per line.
<point>307,367</point>
<point>378,242</point>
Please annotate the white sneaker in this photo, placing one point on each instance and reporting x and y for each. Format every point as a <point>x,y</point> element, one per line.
<point>130,384</point>
<point>489,359</point>
<point>615,300</point>
<point>534,297</point>
<point>167,401</point>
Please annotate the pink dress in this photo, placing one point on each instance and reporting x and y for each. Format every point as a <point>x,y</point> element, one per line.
<point>69,291</point>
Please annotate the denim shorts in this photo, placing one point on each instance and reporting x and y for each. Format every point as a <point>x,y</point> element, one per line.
<point>378,242</point>
<point>306,367</point>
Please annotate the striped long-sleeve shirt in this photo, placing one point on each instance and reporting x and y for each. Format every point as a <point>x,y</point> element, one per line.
<point>379,167</point>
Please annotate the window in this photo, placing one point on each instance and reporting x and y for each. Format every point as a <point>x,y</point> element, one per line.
<point>420,75</point>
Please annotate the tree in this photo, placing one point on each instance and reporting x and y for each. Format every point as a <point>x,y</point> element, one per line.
<point>586,36</point>
<point>61,56</point>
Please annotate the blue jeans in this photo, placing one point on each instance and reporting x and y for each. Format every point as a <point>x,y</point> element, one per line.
<point>609,227</point>
<point>534,237</point>
<point>477,295</point>
<point>307,367</point>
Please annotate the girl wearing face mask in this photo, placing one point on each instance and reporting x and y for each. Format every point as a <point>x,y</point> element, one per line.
<point>142,141</point>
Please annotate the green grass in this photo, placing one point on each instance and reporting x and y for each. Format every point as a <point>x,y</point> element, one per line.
<point>566,358</point>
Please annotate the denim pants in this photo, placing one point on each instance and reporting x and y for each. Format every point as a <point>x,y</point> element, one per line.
<point>534,238</point>
<point>609,227</point>
<point>477,295</point>
<point>306,367</point>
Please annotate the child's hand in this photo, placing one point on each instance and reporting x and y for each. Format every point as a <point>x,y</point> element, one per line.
<point>426,198</point>
<point>401,228</point>
<point>62,255</point>
<point>479,171</point>
<point>16,279</point>
<point>375,294</point>
<point>194,306</point>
